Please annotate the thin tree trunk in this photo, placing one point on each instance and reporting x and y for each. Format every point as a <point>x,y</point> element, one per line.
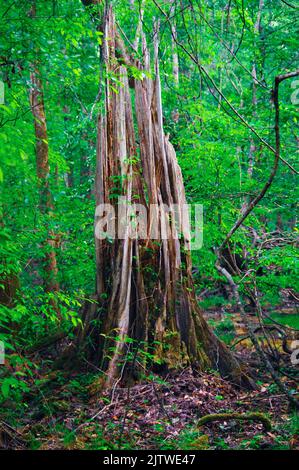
<point>43,172</point>
<point>253,148</point>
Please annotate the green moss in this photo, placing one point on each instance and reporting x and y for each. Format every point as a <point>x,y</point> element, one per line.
<point>257,417</point>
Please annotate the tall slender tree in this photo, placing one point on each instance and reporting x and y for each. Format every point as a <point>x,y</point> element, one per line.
<point>43,169</point>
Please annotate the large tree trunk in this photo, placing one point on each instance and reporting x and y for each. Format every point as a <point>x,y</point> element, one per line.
<point>147,307</point>
<point>253,148</point>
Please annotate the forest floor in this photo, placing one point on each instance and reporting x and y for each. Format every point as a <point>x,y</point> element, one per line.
<point>160,414</point>
<point>70,411</point>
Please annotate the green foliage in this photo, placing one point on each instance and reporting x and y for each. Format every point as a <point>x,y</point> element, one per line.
<point>188,439</point>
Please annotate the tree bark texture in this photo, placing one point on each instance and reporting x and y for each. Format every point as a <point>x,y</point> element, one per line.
<point>43,172</point>
<point>145,294</point>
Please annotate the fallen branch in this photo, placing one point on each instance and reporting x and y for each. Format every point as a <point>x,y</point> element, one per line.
<point>256,417</point>
<point>10,438</point>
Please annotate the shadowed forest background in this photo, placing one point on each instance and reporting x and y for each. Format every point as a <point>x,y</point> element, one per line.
<point>128,344</point>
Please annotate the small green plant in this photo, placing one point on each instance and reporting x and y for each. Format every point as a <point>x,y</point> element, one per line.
<point>221,444</point>
<point>188,439</point>
<point>226,325</point>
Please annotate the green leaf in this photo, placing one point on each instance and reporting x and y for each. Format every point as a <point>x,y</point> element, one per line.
<point>5,388</point>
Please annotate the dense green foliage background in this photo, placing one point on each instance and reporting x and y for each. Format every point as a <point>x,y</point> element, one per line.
<point>212,143</point>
